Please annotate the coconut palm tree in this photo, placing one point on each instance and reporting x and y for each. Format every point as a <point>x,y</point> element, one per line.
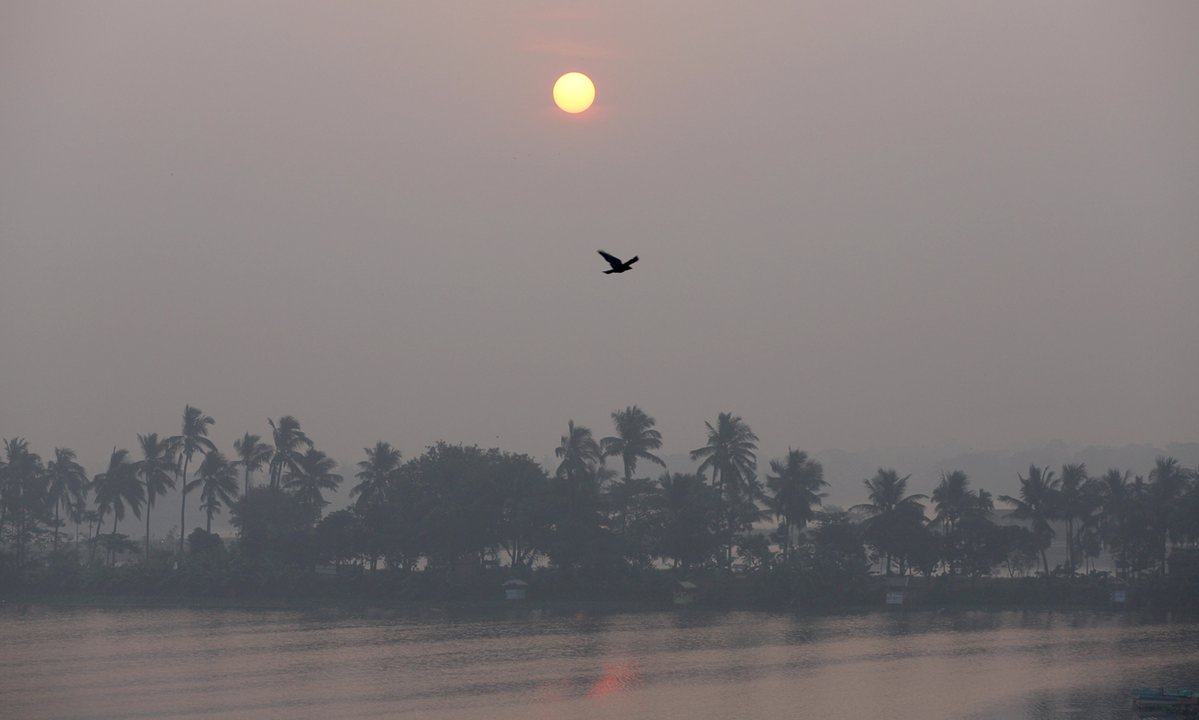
<point>375,473</point>
<point>217,480</point>
<point>289,441</point>
<point>634,440</point>
<point>795,490</point>
<point>581,458</point>
<point>252,455</point>
<point>952,498</point>
<point>155,469</point>
<point>1072,504</point>
<point>192,438</point>
<point>118,488</point>
<point>67,484</point>
<point>1167,483</point>
<point>577,450</point>
<point>315,474</point>
<point>77,508</point>
<point>1038,503</point>
<point>22,489</point>
<point>730,455</point>
<point>1114,497</point>
<point>889,508</point>
<point>955,502</point>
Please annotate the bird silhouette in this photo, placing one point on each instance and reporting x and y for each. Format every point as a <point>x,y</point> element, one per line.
<point>618,265</point>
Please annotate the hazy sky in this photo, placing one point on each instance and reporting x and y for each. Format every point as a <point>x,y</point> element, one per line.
<point>859,225</point>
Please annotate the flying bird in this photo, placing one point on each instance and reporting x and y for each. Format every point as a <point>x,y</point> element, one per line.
<point>618,265</point>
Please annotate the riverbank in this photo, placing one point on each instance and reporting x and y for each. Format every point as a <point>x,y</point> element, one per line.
<point>935,594</point>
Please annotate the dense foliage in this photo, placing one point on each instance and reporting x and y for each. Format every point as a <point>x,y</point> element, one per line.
<point>461,516</point>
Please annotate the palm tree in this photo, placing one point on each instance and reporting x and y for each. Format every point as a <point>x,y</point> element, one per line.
<point>577,450</point>
<point>952,498</point>
<point>1114,497</point>
<point>252,454</point>
<point>314,475</point>
<point>635,438</point>
<point>116,488</point>
<point>1037,503</point>
<point>67,483</point>
<point>376,472</point>
<point>730,455</point>
<point>1168,482</point>
<point>581,456</point>
<point>955,501</point>
<point>1072,504</point>
<point>795,487</point>
<point>191,439</point>
<point>217,480</point>
<point>22,488</point>
<point>158,460</point>
<point>289,440</point>
<point>888,506</point>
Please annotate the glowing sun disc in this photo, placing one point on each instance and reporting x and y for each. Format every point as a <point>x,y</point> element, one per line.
<point>574,92</point>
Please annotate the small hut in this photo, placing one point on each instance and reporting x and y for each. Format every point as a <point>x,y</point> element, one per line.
<point>684,592</point>
<point>515,589</point>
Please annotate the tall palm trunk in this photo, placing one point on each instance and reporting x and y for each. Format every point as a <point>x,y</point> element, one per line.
<point>112,550</point>
<point>241,529</point>
<point>1070,544</point>
<point>56,506</point>
<point>183,505</point>
<point>92,536</point>
<point>148,505</point>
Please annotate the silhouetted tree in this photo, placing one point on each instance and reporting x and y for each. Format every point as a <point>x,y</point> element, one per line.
<point>155,469</point>
<point>67,482</point>
<point>290,441</point>
<point>217,480</point>
<point>375,474</point>
<point>117,488</point>
<point>795,491</point>
<point>22,492</point>
<point>313,476</point>
<point>252,456</point>
<point>730,455</point>
<point>1168,483</point>
<point>1072,505</point>
<point>635,439</point>
<point>1037,503</point>
<point>893,514</point>
<point>689,518</point>
<point>192,438</point>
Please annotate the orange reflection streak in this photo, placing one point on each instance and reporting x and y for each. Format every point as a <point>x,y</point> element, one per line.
<point>614,678</point>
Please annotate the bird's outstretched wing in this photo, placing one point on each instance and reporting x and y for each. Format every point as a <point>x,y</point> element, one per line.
<point>612,259</point>
<point>632,260</point>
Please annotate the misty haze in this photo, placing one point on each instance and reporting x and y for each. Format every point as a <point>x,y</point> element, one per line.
<point>881,395</point>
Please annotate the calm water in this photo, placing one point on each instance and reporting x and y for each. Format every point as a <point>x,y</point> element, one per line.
<point>528,664</point>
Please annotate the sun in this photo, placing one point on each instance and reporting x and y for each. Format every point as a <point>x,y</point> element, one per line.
<point>574,92</point>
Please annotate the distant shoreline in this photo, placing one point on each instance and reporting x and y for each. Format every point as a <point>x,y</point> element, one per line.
<point>553,606</point>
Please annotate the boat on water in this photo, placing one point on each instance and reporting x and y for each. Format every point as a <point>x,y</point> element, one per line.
<point>1179,700</point>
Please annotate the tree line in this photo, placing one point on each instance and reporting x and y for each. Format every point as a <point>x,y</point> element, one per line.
<point>592,519</point>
